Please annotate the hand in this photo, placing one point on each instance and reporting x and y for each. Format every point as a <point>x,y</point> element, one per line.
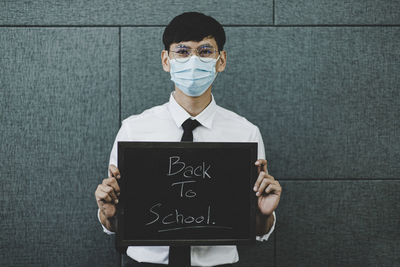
<point>268,189</point>
<point>107,193</point>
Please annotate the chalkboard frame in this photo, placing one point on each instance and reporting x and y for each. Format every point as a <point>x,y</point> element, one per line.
<point>122,241</point>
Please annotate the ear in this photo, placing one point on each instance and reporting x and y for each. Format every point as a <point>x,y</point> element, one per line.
<point>221,63</point>
<point>165,61</point>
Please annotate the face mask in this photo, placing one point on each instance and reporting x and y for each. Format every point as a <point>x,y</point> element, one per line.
<point>194,76</point>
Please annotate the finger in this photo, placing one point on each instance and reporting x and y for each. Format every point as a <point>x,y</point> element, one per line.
<point>112,198</point>
<point>110,191</point>
<point>113,183</point>
<point>103,196</point>
<point>114,171</point>
<point>260,178</point>
<point>265,182</point>
<point>270,177</point>
<point>108,210</point>
<point>262,165</point>
<point>275,188</point>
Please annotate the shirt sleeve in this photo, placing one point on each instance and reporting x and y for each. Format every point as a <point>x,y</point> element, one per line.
<point>266,236</point>
<point>260,146</point>
<point>123,135</point>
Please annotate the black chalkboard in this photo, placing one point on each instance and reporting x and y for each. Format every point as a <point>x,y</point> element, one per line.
<point>176,193</point>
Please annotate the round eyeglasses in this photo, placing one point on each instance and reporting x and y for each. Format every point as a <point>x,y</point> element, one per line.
<point>182,54</point>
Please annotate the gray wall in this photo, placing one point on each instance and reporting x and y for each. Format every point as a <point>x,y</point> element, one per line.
<point>319,77</point>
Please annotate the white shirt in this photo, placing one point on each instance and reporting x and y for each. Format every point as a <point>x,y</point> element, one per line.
<point>163,123</point>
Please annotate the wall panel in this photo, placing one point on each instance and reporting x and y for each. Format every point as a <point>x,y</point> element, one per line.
<point>144,83</point>
<point>59,116</point>
<point>318,12</point>
<point>125,12</point>
<point>259,255</point>
<point>339,223</point>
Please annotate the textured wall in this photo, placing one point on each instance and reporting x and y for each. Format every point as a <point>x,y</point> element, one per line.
<point>320,79</point>
<point>59,114</point>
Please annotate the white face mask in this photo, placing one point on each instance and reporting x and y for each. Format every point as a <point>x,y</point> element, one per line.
<point>194,76</point>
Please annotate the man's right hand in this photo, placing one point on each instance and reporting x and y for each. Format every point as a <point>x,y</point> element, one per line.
<point>107,197</point>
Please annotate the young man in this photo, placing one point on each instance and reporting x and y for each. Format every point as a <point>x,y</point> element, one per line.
<point>193,56</point>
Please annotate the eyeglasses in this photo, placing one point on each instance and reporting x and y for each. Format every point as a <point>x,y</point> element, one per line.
<point>183,53</point>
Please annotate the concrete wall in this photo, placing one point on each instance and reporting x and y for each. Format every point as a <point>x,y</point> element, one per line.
<point>320,78</point>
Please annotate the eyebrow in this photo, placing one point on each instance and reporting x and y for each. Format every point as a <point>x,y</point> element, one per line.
<point>202,45</point>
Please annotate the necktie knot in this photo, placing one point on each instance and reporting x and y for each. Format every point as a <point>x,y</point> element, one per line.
<point>188,126</point>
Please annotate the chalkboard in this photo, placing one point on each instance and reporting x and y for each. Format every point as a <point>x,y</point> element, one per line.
<point>177,193</point>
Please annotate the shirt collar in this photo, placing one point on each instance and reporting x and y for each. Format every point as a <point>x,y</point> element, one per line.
<point>179,114</point>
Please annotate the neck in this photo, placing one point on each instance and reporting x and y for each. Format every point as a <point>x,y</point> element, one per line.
<point>193,105</point>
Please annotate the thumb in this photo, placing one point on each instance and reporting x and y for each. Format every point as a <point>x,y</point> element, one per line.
<point>113,171</point>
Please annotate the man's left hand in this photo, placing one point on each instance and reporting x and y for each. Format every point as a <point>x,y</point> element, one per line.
<point>268,190</point>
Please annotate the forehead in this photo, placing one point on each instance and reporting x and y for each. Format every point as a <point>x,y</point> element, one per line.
<point>193,44</point>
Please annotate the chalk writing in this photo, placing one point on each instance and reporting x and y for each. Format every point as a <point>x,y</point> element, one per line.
<point>178,217</point>
<point>176,166</point>
<point>179,169</point>
<point>189,193</point>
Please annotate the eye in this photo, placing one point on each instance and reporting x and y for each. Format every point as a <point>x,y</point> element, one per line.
<point>182,51</point>
<point>205,52</point>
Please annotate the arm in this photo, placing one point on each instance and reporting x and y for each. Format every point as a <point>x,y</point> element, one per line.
<point>264,223</point>
<point>108,223</point>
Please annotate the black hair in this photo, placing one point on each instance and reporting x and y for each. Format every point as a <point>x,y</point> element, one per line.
<point>193,26</point>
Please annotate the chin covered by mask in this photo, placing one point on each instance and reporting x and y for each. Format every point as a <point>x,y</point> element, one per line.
<point>194,76</point>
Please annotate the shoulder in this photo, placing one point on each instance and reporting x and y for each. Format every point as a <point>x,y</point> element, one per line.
<point>151,114</point>
<point>231,118</point>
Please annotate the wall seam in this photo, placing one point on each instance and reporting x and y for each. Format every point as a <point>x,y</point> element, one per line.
<point>119,75</point>
<point>339,179</point>
<point>224,25</point>
<point>273,12</point>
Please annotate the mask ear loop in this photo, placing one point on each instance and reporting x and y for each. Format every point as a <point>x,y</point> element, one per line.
<point>216,72</point>
<point>169,60</point>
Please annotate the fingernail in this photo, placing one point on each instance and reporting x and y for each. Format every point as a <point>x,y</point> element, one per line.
<point>255,188</point>
<point>118,176</point>
<point>116,201</point>
<point>258,194</point>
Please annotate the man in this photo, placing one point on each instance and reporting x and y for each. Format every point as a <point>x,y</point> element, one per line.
<point>193,55</point>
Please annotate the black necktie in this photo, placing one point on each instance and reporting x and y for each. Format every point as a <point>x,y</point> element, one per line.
<point>179,256</point>
<point>188,126</point>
